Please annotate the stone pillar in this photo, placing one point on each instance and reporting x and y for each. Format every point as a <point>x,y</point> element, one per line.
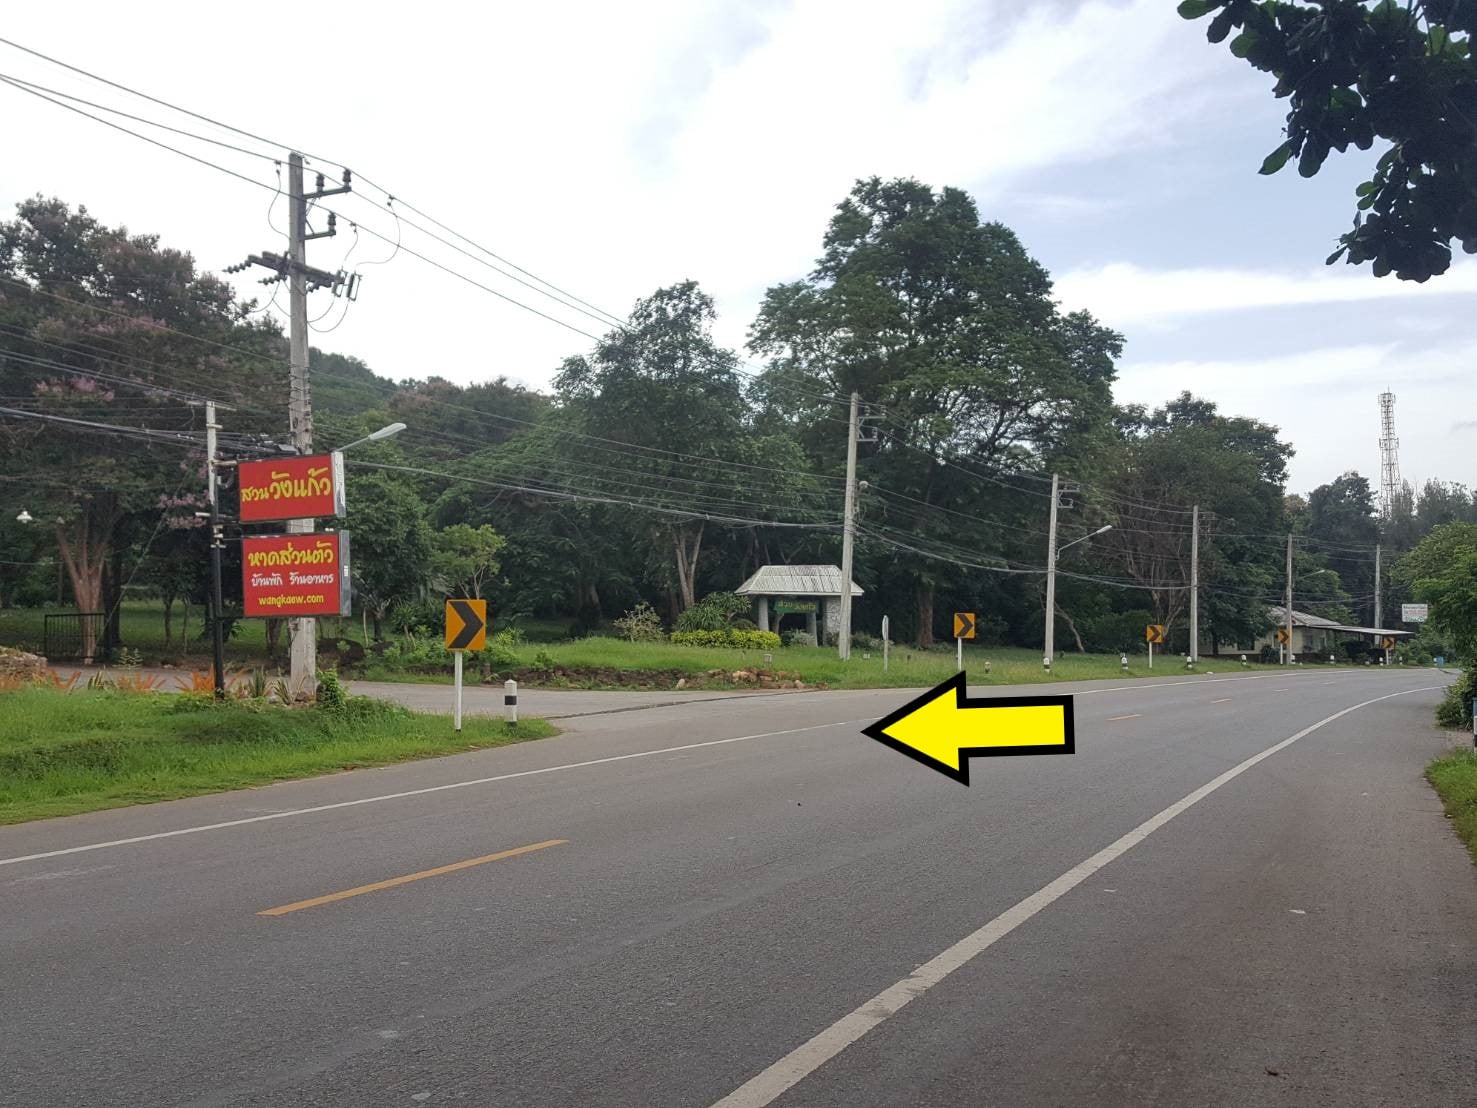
<point>764,613</point>
<point>810,628</point>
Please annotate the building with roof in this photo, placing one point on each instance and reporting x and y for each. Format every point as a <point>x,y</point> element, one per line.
<point>813,592</point>
<point>1318,636</point>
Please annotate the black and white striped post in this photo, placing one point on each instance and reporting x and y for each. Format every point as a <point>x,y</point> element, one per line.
<point>510,701</point>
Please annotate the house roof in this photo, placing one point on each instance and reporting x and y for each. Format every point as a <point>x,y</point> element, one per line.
<point>795,581</point>
<point>1307,619</point>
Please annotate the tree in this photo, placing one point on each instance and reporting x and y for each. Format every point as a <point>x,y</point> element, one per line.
<point>1342,529</point>
<point>947,324</point>
<point>1354,73</point>
<point>390,547</point>
<point>1235,469</point>
<point>465,558</point>
<point>663,386</point>
<point>1442,571</point>
<point>93,318</point>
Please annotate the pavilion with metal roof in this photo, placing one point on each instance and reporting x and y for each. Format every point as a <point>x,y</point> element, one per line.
<point>810,591</point>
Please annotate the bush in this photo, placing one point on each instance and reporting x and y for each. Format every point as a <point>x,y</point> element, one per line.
<point>502,648</point>
<point>797,638</point>
<point>1455,710</point>
<point>640,624</point>
<point>331,694</point>
<point>741,640</point>
<point>714,612</point>
<point>416,616</point>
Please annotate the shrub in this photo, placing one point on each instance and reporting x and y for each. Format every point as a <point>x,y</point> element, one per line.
<point>741,640</point>
<point>543,660</point>
<point>1455,709</point>
<point>502,648</point>
<point>797,638</point>
<point>419,616</point>
<point>640,624</point>
<point>714,612</point>
<point>331,695</point>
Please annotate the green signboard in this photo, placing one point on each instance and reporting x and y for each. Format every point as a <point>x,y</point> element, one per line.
<point>784,607</point>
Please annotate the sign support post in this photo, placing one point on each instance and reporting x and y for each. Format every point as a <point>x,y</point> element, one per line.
<point>458,716</point>
<point>885,643</point>
<point>466,629</point>
<point>1151,653</point>
<point>959,654</point>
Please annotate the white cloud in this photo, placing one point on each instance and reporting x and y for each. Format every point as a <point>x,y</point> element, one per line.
<point>1123,294</point>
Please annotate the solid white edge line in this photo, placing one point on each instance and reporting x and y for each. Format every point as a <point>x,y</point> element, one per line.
<point>416,792</point>
<point>766,1086</point>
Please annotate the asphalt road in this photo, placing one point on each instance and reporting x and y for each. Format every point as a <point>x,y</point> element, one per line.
<point>746,901</point>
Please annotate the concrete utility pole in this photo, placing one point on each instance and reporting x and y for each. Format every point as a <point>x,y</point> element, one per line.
<point>1379,601</point>
<point>1195,584</point>
<point>848,529</point>
<point>217,541</point>
<point>1050,651</point>
<point>303,674</point>
<point>1287,647</point>
<point>302,278</point>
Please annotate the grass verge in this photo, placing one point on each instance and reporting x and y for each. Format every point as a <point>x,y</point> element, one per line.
<point>609,663</point>
<point>67,752</point>
<point>1454,777</point>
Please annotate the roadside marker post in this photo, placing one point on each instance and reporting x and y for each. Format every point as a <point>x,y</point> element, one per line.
<point>885,643</point>
<point>510,701</point>
<point>466,629</point>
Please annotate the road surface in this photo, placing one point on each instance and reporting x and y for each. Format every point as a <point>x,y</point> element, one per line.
<point>747,902</point>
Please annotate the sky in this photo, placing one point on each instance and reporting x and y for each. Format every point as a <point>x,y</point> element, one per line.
<point>612,149</point>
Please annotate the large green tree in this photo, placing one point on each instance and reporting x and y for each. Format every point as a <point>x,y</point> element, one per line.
<point>1398,72</point>
<point>947,328</point>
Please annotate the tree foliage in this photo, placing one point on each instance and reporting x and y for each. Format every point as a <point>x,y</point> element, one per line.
<point>1354,73</point>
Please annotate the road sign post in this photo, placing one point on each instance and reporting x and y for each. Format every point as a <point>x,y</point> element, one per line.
<point>466,629</point>
<point>1153,633</point>
<point>963,629</point>
<point>457,714</point>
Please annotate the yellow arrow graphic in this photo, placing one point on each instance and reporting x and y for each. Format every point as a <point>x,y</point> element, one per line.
<point>945,727</point>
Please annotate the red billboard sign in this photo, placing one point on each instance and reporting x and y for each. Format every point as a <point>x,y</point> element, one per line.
<point>296,575</point>
<point>292,488</point>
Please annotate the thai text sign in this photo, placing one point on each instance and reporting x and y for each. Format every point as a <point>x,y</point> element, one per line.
<point>292,488</point>
<point>798,607</point>
<point>1414,613</point>
<point>296,575</point>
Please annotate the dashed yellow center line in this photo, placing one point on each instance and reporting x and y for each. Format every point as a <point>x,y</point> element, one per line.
<point>1222,700</point>
<point>390,883</point>
<point>1131,715</point>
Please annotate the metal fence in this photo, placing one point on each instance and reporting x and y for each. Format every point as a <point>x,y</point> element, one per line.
<point>65,635</point>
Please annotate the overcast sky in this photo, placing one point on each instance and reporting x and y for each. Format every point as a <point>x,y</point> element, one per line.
<point>614,148</point>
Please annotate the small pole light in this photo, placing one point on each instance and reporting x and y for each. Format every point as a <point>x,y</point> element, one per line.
<point>769,658</point>
<point>1123,661</point>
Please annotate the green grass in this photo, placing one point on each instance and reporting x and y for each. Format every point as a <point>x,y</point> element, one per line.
<point>68,752</point>
<point>1455,780</point>
<point>908,668</point>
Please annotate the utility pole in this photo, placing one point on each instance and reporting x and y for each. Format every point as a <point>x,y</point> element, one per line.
<point>1050,651</point>
<point>217,541</point>
<point>302,278</point>
<point>848,529</point>
<point>1195,584</point>
<point>1287,647</point>
<point>1379,601</point>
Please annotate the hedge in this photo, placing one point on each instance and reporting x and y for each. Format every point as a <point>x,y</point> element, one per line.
<point>743,640</point>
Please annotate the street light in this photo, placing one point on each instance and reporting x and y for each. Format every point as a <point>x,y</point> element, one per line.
<point>382,433</point>
<point>1101,530</point>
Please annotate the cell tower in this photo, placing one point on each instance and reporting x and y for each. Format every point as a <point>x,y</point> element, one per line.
<point>1389,455</point>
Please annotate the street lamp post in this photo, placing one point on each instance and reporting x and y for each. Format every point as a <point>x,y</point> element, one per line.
<point>1053,552</point>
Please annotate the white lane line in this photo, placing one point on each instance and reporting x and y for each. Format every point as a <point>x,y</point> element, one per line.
<point>1131,715</point>
<point>1222,700</point>
<point>765,1087</point>
<point>417,792</point>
